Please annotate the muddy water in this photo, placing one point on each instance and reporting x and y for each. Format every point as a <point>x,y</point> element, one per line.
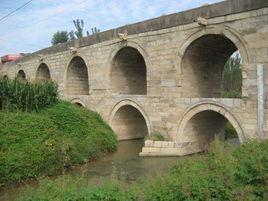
<point>124,165</point>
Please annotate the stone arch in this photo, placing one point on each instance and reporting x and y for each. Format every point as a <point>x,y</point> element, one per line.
<point>211,108</point>
<point>77,77</point>
<point>42,73</point>
<point>78,102</point>
<point>129,64</point>
<point>203,56</point>
<point>129,120</point>
<point>21,75</point>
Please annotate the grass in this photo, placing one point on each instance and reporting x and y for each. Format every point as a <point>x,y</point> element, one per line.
<point>222,173</point>
<point>49,141</point>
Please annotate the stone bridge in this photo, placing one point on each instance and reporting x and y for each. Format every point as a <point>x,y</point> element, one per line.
<point>164,75</point>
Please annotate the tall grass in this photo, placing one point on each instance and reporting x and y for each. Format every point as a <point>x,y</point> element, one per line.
<point>22,95</point>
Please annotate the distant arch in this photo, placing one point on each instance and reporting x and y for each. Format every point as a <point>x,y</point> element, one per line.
<point>129,120</point>
<point>77,77</point>
<point>78,102</point>
<point>21,75</point>
<point>42,73</point>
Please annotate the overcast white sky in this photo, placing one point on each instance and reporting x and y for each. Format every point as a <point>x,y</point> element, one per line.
<point>32,27</point>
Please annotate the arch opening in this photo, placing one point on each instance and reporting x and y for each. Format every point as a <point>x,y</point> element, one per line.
<point>21,75</point>
<point>42,73</point>
<point>78,104</point>
<point>203,65</point>
<point>77,81</point>
<point>129,123</point>
<point>128,72</point>
<point>202,128</point>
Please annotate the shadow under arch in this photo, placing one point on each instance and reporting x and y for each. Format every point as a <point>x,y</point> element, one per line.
<point>129,121</point>
<point>21,75</point>
<point>226,31</point>
<point>202,59</point>
<point>135,55</point>
<point>76,77</point>
<point>208,106</point>
<point>42,72</point>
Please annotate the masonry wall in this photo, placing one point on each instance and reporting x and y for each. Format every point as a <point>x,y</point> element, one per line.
<point>170,91</point>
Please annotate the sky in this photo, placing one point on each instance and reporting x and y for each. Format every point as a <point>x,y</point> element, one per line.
<point>32,27</point>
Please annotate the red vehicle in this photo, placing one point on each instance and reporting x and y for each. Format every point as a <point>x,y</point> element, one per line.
<point>10,57</point>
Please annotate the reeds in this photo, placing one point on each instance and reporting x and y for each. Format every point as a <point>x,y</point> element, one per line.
<point>22,95</point>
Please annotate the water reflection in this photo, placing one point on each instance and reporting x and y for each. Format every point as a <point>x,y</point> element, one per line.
<point>125,164</point>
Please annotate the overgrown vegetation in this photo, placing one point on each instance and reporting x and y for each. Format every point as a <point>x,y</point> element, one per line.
<point>22,95</point>
<point>223,173</point>
<point>48,142</point>
<point>41,136</point>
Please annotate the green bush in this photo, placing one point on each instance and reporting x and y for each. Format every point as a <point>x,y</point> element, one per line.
<point>49,141</point>
<point>224,173</point>
<point>79,190</point>
<point>22,95</point>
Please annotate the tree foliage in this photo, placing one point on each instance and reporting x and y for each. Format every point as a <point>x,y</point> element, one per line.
<point>79,30</point>
<point>232,77</point>
<point>60,37</point>
<point>78,33</point>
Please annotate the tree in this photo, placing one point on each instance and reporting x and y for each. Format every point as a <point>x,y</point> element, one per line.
<point>79,26</point>
<point>232,77</point>
<point>60,37</point>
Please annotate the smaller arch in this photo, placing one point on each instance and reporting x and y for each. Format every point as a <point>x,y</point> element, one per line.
<point>77,77</point>
<point>42,73</point>
<point>21,75</point>
<point>210,107</point>
<point>78,102</point>
<point>128,116</point>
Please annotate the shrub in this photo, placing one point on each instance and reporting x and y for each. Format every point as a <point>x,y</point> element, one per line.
<point>49,141</point>
<point>68,189</point>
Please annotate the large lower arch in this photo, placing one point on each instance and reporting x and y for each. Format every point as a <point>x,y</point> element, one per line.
<point>201,122</point>
<point>129,121</point>
<point>42,73</point>
<point>21,75</point>
<point>77,81</point>
<point>128,74</point>
<point>202,59</point>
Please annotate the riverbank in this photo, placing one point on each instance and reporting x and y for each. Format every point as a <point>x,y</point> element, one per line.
<point>49,141</point>
<point>224,172</point>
